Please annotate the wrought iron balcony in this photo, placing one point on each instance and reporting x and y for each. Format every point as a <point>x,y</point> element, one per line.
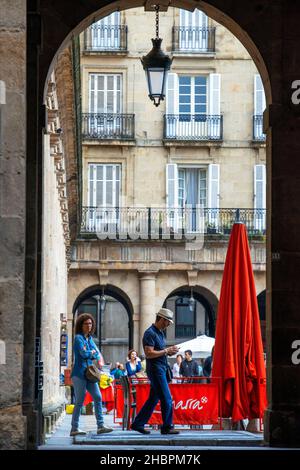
<point>193,127</point>
<point>258,134</point>
<point>108,126</point>
<point>193,39</point>
<point>105,38</point>
<point>180,223</point>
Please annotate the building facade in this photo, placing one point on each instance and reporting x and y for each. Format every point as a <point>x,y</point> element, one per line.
<point>162,186</point>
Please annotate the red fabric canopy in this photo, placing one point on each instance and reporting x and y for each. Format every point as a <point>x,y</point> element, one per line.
<point>238,354</point>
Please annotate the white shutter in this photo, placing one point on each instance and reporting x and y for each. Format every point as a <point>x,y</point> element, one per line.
<point>215,93</point>
<point>260,197</point>
<point>172,195</point>
<point>92,93</point>
<point>172,105</point>
<point>197,18</point>
<point>213,194</point>
<point>172,94</point>
<point>259,96</point>
<point>213,186</point>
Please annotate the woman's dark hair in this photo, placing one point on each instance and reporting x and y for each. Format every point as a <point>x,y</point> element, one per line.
<point>129,353</point>
<point>80,320</point>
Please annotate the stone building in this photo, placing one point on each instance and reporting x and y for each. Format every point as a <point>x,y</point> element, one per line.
<point>33,34</point>
<point>147,172</point>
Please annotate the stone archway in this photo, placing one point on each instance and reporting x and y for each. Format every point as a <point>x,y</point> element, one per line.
<point>110,292</point>
<point>205,301</point>
<point>269,25</point>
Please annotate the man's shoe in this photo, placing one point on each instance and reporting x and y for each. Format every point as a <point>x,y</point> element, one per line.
<point>169,431</point>
<point>103,430</point>
<point>140,429</point>
<point>77,432</point>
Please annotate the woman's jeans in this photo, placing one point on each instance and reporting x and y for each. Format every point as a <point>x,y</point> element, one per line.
<point>80,387</point>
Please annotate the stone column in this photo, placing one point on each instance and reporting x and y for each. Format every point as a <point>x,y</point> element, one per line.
<point>12,220</point>
<point>147,303</point>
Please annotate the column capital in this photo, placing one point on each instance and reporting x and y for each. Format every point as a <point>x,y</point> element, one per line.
<point>151,275</point>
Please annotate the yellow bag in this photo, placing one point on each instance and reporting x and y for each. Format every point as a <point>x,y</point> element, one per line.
<point>105,381</point>
<point>69,409</point>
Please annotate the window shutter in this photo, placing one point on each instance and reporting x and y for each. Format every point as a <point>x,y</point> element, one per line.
<point>92,187</point>
<point>259,96</point>
<point>172,185</point>
<point>172,194</point>
<point>111,20</point>
<point>213,194</point>
<point>92,93</point>
<point>259,187</point>
<point>213,186</point>
<point>172,94</point>
<point>260,197</point>
<point>215,94</point>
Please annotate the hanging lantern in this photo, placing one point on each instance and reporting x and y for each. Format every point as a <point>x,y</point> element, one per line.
<point>192,302</point>
<point>156,65</point>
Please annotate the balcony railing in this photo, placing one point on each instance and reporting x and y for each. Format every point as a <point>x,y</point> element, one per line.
<point>193,39</point>
<point>108,126</point>
<point>102,38</point>
<point>193,127</point>
<point>133,223</point>
<point>258,134</point>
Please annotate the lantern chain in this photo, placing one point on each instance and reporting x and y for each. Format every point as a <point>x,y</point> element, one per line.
<point>157,21</point>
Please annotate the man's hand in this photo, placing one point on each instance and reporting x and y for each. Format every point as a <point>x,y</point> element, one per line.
<point>171,350</point>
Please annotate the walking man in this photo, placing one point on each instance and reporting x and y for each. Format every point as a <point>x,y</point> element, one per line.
<point>156,354</point>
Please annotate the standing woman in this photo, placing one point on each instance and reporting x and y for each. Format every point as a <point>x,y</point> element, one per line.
<point>133,364</point>
<point>85,352</point>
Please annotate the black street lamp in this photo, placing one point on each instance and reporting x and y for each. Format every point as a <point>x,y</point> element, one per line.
<point>156,65</point>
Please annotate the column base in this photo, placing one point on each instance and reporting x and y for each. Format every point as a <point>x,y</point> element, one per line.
<point>282,428</point>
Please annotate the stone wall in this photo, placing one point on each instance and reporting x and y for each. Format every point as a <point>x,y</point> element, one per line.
<point>12,219</point>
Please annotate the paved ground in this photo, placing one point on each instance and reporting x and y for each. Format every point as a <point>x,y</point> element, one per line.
<point>131,440</point>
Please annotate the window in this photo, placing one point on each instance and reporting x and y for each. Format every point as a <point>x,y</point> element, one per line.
<point>192,187</point>
<point>105,93</point>
<point>185,319</point>
<point>191,19</point>
<point>259,107</point>
<point>193,31</point>
<point>191,197</point>
<point>104,185</point>
<point>105,33</point>
<point>193,107</point>
<point>192,97</point>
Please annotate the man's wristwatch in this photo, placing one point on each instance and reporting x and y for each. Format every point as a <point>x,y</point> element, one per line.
<point>166,353</point>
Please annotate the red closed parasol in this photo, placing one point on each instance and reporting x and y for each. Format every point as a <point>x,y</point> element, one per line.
<point>238,354</point>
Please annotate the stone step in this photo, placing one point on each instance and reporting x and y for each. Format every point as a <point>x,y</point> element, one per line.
<point>186,437</point>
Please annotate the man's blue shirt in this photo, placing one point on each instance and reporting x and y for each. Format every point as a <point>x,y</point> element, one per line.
<point>83,354</point>
<point>155,338</point>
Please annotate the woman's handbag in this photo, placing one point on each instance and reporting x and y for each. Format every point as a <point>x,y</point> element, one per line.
<point>92,373</point>
<point>169,374</point>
